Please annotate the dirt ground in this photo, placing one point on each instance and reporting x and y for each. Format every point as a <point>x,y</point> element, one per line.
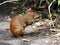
<point>39,38</point>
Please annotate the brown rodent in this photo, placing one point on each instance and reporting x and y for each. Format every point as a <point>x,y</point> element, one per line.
<point>18,23</point>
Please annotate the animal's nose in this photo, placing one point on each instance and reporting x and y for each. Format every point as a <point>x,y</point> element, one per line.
<point>37,16</point>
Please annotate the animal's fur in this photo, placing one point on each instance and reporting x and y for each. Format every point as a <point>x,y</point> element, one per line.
<point>18,23</point>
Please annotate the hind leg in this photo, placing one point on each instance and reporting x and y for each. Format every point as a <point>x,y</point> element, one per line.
<point>15,27</point>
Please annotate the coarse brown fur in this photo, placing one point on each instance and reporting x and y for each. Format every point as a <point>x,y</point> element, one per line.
<point>18,23</point>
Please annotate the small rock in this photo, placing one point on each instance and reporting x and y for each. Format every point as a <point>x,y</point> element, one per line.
<point>29,29</point>
<point>58,34</point>
<point>26,40</point>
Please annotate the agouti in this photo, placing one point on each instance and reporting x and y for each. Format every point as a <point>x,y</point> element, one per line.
<point>18,23</point>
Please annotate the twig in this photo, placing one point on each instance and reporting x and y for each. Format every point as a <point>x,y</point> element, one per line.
<point>47,1</point>
<point>5,2</point>
<point>25,2</point>
<point>50,11</point>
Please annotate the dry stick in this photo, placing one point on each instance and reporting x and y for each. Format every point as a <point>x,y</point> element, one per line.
<point>50,12</point>
<point>6,2</point>
<point>47,1</point>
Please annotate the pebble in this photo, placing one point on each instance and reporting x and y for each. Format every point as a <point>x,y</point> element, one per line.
<point>26,40</point>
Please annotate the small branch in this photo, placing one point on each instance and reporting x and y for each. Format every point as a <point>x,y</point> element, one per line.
<point>25,2</point>
<point>40,1</point>
<point>50,11</point>
<point>47,1</point>
<point>5,2</point>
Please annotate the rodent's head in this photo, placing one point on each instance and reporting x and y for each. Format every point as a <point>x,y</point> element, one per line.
<point>29,11</point>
